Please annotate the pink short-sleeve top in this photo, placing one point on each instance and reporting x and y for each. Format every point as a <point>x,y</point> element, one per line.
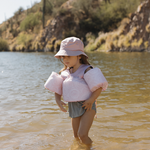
<point>77,86</point>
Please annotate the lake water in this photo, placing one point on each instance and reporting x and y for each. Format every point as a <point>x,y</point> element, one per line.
<point>31,120</point>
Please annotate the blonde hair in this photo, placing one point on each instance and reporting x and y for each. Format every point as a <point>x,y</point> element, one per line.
<point>83,60</point>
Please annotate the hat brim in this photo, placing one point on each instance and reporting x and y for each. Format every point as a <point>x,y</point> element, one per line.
<point>69,53</point>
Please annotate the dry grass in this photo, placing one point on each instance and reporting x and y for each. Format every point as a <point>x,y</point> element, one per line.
<point>148,28</point>
<point>136,43</point>
<point>146,44</point>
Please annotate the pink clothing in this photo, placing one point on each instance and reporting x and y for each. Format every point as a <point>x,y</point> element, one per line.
<point>54,83</point>
<point>77,86</point>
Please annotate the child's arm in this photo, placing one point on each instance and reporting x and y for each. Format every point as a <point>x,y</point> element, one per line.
<point>89,102</point>
<point>94,78</point>
<point>59,102</point>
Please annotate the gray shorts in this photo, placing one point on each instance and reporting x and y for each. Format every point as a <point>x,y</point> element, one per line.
<point>76,109</point>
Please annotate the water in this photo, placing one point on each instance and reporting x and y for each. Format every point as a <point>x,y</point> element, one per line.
<point>31,120</point>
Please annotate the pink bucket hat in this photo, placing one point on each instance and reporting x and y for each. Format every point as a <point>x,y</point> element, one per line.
<point>71,46</point>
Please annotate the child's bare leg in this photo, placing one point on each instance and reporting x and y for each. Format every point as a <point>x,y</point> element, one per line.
<point>85,125</point>
<point>75,125</point>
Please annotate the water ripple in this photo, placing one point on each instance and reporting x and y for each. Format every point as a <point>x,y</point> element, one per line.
<point>30,118</point>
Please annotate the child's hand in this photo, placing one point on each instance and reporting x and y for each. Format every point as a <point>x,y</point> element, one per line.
<point>87,105</point>
<point>60,104</point>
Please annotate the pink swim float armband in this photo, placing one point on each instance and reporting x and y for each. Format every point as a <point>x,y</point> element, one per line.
<point>54,83</point>
<point>78,86</point>
<point>95,79</point>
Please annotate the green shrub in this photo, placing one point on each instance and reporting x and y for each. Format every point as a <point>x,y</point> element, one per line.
<point>57,3</point>
<point>31,21</point>
<point>59,11</point>
<point>53,7</point>
<point>3,45</point>
<point>99,16</point>
<point>35,7</point>
<point>24,39</point>
<point>48,7</point>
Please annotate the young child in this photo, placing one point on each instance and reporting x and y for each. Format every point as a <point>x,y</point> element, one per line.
<point>80,84</point>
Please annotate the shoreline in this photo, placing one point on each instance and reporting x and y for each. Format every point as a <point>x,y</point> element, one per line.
<point>130,50</point>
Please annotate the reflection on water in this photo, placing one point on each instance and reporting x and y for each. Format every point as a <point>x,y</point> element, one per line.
<point>31,120</point>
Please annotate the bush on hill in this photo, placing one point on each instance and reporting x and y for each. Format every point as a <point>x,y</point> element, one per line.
<point>24,39</point>
<point>95,16</point>
<point>31,21</point>
<point>3,45</point>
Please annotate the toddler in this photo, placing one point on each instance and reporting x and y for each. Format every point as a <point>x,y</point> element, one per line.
<point>80,84</point>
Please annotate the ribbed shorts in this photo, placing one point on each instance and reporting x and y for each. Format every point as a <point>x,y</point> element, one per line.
<point>76,109</point>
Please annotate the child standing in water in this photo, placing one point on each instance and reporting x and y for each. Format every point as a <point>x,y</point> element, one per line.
<point>80,84</point>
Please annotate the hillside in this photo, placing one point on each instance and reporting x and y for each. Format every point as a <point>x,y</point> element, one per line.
<point>132,35</point>
<point>103,26</point>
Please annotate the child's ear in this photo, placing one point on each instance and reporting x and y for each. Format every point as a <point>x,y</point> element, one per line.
<point>79,56</point>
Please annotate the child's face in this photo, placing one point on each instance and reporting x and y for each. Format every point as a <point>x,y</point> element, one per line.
<point>71,61</point>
